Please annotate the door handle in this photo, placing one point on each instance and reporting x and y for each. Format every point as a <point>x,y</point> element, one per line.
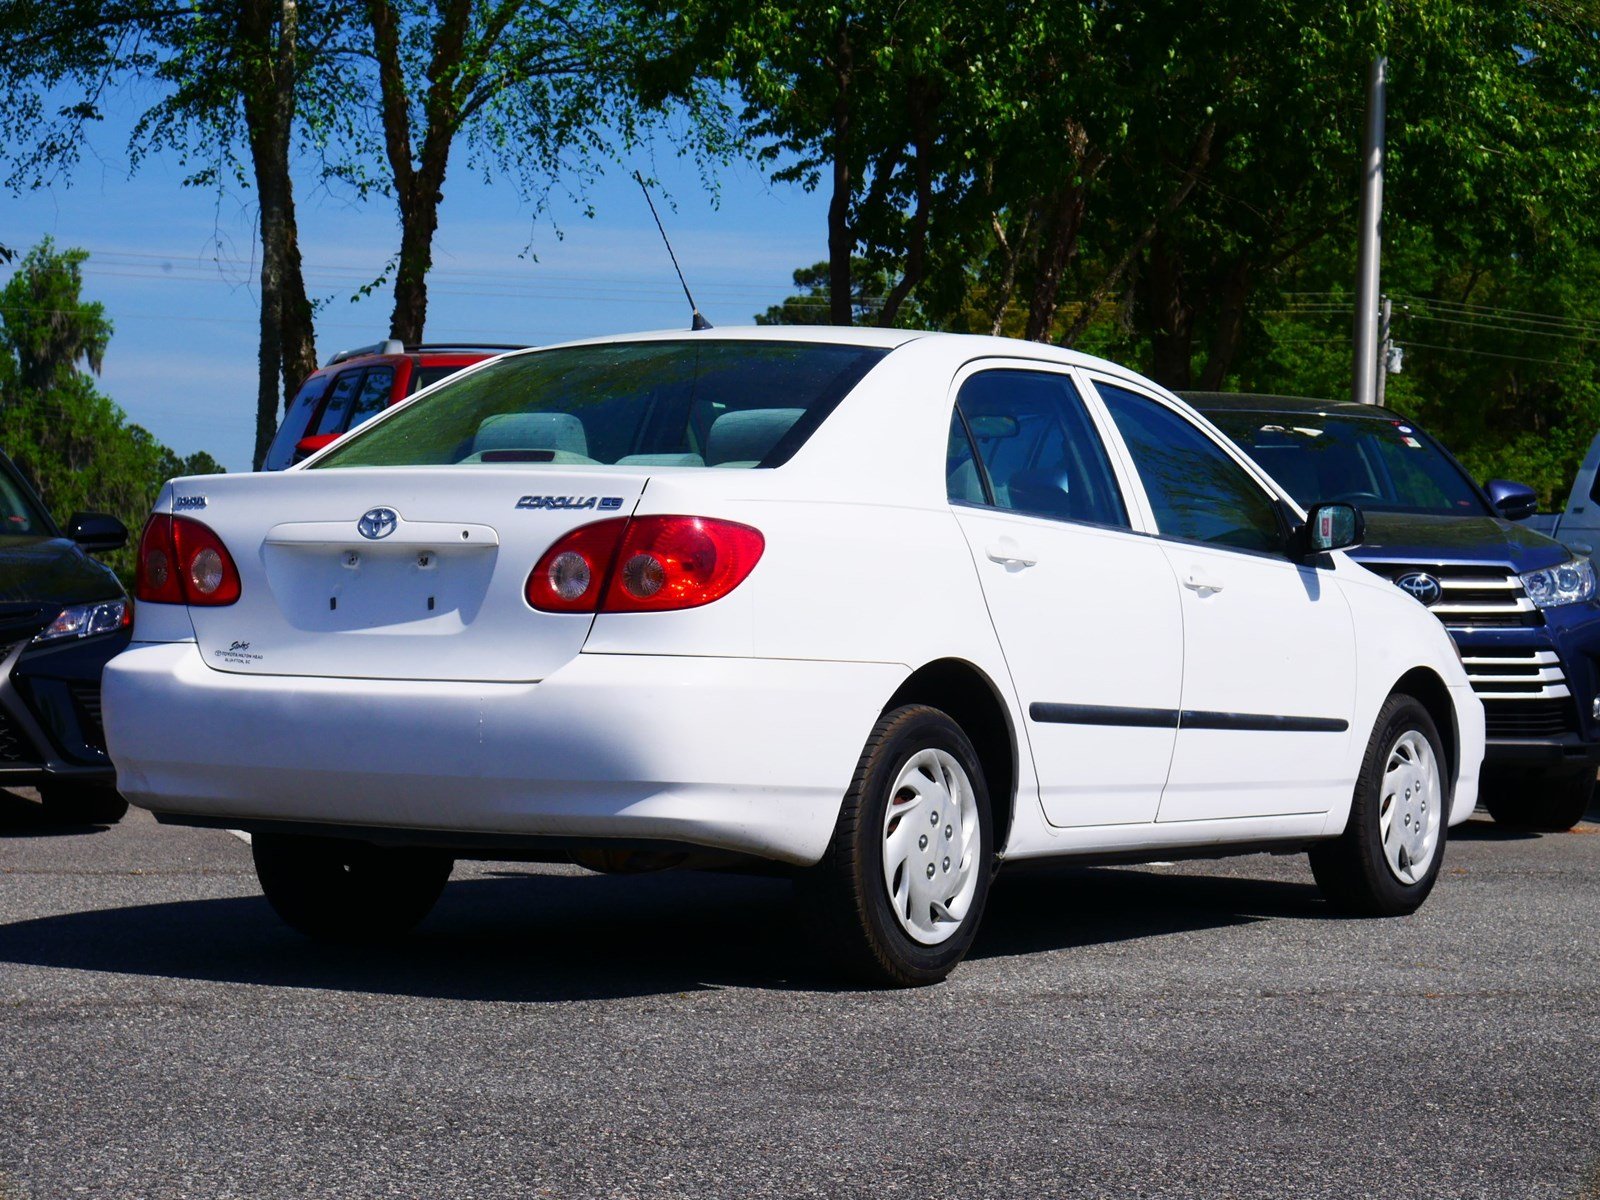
<point>1204,585</point>
<point>1008,554</point>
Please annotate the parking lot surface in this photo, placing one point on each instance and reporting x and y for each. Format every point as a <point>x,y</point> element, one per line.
<point>1204,1029</point>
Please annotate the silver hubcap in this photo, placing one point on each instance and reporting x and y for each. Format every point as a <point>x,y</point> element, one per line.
<point>930,846</point>
<point>1412,810</point>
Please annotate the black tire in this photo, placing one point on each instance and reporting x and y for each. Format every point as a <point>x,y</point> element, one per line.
<point>338,890</point>
<point>1352,870</point>
<point>82,803</point>
<point>849,887</point>
<point>1540,802</point>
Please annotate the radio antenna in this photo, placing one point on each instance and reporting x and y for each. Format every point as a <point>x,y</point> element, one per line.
<point>698,322</point>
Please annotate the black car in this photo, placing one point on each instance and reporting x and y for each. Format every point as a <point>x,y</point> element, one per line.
<point>62,617</point>
<point>1522,608</point>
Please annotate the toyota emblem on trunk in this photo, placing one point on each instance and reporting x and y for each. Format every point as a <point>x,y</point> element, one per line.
<point>1420,586</point>
<point>377,523</point>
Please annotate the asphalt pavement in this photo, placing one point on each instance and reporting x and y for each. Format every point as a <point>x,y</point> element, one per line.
<point>1198,1030</point>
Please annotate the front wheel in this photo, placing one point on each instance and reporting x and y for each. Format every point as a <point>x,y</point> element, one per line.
<point>1550,803</point>
<point>338,890</point>
<point>1386,861</point>
<point>905,878</point>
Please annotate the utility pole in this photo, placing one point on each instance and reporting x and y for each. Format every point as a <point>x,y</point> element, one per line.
<point>1366,367</point>
<point>1385,348</point>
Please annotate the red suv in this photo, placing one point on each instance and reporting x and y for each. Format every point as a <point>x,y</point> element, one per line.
<point>357,385</point>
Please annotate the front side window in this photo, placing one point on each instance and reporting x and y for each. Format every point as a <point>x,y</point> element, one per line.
<point>1195,490</point>
<point>700,403</point>
<point>1037,451</point>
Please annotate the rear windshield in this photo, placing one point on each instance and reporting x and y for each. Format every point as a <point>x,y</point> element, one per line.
<point>1383,465</point>
<point>700,403</point>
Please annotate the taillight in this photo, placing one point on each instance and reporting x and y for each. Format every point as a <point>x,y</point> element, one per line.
<point>183,562</point>
<point>646,564</point>
<point>572,574</point>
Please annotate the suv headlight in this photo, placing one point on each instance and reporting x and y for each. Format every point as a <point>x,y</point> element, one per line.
<point>86,620</point>
<point>1566,583</point>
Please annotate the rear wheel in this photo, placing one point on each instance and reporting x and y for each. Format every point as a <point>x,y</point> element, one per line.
<point>338,890</point>
<point>82,803</point>
<point>904,881</point>
<point>1543,803</point>
<point>1386,861</point>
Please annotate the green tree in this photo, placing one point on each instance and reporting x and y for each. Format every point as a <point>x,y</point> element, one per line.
<point>544,94</point>
<point>73,444</point>
<point>229,85</point>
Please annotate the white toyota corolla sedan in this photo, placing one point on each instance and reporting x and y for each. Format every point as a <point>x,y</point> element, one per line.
<point>888,608</point>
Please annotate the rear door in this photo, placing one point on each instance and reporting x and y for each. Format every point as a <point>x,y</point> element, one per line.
<point>1086,610</point>
<point>1269,643</point>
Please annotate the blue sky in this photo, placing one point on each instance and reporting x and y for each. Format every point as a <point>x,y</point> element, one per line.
<point>176,267</point>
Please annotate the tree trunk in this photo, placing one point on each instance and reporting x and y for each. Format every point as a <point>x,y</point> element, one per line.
<point>1171,318</point>
<point>1063,220</point>
<point>841,241</point>
<point>924,100</point>
<point>1230,326</point>
<point>269,32</point>
<point>419,179</point>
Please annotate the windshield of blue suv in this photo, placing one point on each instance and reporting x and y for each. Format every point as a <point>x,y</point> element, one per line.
<point>1379,464</point>
<point>689,403</point>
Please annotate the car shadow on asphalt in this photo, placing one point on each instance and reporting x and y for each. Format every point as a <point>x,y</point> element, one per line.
<point>530,938</point>
<point>21,817</point>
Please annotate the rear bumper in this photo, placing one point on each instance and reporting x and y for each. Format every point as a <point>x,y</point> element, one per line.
<point>746,755</point>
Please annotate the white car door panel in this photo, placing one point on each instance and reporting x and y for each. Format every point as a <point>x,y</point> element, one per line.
<point>1093,635</point>
<point>1269,675</point>
<point>1269,684</point>
<point>1086,611</point>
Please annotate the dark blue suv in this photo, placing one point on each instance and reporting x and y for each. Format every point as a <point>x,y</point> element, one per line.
<point>1520,606</point>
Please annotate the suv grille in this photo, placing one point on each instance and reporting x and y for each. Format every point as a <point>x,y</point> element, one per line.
<point>1472,595</point>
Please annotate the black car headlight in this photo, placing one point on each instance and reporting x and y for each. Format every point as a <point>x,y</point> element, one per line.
<point>1566,583</point>
<point>87,620</point>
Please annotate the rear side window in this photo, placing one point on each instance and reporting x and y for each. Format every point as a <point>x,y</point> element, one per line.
<point>300,411</point>
<point>669,403</point>
<point>373,397</point>
<point>1195,490</point>
<point>1037,449</point>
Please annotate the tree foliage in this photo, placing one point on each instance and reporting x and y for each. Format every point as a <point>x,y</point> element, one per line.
<point>74,445</point>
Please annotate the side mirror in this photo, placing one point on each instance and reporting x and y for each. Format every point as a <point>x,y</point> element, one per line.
<point>97,532</point>
<point>307,446</point>
<point>1331,527</point>
<point>1513,501</point>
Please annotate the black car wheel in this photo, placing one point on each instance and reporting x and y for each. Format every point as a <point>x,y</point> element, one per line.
<point>82,803</point>
<point>338,890</point>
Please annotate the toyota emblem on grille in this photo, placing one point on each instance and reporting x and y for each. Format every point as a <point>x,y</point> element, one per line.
<point>1421,586</point>
<point>377,523</point>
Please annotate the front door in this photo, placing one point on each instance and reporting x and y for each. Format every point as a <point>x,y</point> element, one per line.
<point>1086,611</point>
<point>1269,643</point>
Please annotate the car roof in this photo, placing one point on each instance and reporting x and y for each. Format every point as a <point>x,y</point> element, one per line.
<point>974,345</point>
<point>1250,402</point>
